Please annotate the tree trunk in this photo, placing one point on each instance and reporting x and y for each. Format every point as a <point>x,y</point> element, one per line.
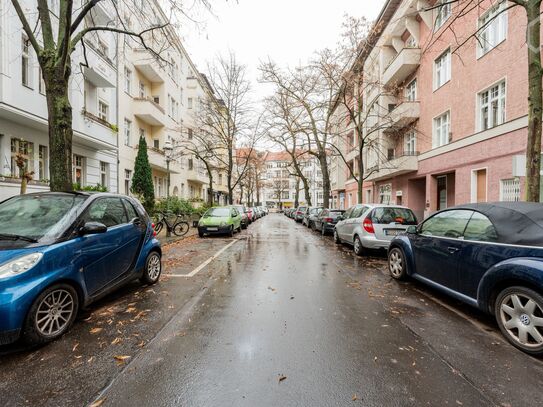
<point>533,146</point>
<point>210,189</point>
<point>60,131</point>
<point>325,180</point>
<point>307,194</point>
<point>297,196</point>
<point>360,175</point>
<point>240,195</point>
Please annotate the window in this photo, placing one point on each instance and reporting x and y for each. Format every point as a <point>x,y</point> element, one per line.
<point>385,193</point>
<point>492,106</point>
<point>108,211</point>
<point>189,103</point>
<point>43,163</point>
<point>127,131</point>
<point>510,190</point>
<point>156,144</point>
<point>385,216</point>
<point>480,229</point>
<point>493,28</point>
<point>190,133</point>
<point>41,84</point>
<point>443,13</point>
<point>447,224</point>
<point>142,133</point>
<point>103,110</point>
<point>127,179</point>
<point>104,174</point>
<point>442,69</point>
<point>103,49</point>
<point>441,130</point>
<point>127,80</point>
<point>285,195</point>
<point>411,42</point>
<point>411,91</point>
<point>142,90</point>
<point>191,164</point>
<point>220,179</point>
<point>78,169</point>
<point>25,150</point>
<point>410,143</point>
<point>130,211</point>
<point>26,74</point>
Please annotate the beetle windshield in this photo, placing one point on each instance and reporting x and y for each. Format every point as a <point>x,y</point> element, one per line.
<point>38,216</point>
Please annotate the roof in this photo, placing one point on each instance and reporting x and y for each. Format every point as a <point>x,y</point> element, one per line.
<point>518,223</point>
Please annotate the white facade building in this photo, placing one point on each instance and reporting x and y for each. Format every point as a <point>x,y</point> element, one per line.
<point>23,108</point>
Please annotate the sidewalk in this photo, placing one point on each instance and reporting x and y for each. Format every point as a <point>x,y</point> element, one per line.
<point>173,238</point>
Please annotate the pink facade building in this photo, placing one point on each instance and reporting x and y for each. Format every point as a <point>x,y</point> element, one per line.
<point>449,94</point>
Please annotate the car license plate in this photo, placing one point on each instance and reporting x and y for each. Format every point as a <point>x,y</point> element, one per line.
<point>393,232</point>
<point>212,229</point>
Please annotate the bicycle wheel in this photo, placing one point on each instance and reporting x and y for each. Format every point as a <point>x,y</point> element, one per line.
<point>181,228</point>
<point>158,227</point>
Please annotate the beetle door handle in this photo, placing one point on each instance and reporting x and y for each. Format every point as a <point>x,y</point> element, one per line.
<point>452,250</point>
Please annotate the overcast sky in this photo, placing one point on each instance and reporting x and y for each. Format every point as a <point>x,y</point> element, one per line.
<point>288,31</point>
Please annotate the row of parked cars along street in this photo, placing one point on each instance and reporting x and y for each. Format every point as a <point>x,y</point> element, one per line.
<point>488,255</point>
<point>227,220</point>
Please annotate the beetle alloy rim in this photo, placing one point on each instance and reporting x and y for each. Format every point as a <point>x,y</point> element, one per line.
<point>522,318</point>
<point>55,312</point>
<point>395,263</point>
<point>153,267</point>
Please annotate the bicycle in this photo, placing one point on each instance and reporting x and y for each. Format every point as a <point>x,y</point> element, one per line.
<point>178,227</point>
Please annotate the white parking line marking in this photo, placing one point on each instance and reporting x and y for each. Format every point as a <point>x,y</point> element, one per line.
<point>204,264</point>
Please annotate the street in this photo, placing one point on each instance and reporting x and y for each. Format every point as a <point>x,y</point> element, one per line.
<point>280,317</point>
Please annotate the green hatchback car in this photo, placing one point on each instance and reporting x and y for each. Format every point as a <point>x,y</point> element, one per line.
<point>221,220</point>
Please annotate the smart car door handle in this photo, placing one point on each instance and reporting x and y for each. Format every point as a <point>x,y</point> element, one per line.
<point>452,250</point>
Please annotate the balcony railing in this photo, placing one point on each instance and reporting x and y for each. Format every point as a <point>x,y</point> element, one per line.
<point>400,164</point>
<point>403,115</point>
<point>403,65</point>
<point>149,111</point>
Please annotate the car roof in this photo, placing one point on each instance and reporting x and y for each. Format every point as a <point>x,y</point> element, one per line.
<point>515,222</point>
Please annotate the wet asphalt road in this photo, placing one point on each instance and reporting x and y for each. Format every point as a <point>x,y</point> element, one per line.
<point>286,318</point>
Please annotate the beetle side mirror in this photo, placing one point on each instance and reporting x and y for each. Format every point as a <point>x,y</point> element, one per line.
<point>412,230</point>
<point>91,228</point>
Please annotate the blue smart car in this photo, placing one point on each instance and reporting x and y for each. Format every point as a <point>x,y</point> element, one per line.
<point>489,255</point>
<point>61,251</point>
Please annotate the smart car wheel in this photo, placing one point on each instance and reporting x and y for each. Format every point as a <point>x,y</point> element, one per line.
<point>153,268</point>
<point>519,313</point>
<point>231,231</point>
<point>396,264</point>
<point>358,247</point>
<point>51,314</point>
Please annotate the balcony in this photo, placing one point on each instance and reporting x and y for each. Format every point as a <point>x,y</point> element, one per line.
<point>403,164</point>
<point>403,115</point>
<point>147,110</point>
<point>403,65</point>
<point>148,65</point>
<point>197,175</point>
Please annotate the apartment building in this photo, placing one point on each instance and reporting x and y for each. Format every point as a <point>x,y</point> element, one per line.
<point>23,109</point>
<point>451,121</point>
<point>281,184</point>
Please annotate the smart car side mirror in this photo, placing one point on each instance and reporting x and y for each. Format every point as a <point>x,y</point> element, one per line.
<point>91,228</point>
<point>412,230</point>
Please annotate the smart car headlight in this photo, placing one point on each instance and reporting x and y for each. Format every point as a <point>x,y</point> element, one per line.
<point>19,265</point>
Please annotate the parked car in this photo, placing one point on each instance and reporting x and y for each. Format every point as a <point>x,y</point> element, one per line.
<point>225,220</point>
<point>250,214</point>
<point>61,251</point>
<point>310,215</point>
<point>372,226</point>
<point>326,220</point>
<point>244,217</point>
<point>258,212</point>
<point>487,255</point>
<point>299,213</point>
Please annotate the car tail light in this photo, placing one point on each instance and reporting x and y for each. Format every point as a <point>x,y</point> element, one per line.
<point>329,220</point>
<point>368,225</point>
<point>153,225</point>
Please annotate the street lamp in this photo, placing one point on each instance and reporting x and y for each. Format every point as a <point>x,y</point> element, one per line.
<point>168,149</point>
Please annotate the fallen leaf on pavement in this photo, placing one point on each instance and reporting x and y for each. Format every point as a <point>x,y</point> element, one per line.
<point>75,347</point>
<point>281,378</point>
<point>141,344</point>
<point>116,341</point>
<point>121,359</point>
<point>355,397</point>
<point>130,310</point>
<point>97,403</point>
<point>95,330</point>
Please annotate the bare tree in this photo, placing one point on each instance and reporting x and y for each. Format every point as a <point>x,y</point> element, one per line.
<point>54,35</point>
<point>232,122</point>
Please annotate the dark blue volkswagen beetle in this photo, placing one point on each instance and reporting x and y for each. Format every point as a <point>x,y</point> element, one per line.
<point>488,255</point>
<point>62,251</point>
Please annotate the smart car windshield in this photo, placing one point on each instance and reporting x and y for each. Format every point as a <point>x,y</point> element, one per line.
<point>218,212</point>
<point>38,216</point>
